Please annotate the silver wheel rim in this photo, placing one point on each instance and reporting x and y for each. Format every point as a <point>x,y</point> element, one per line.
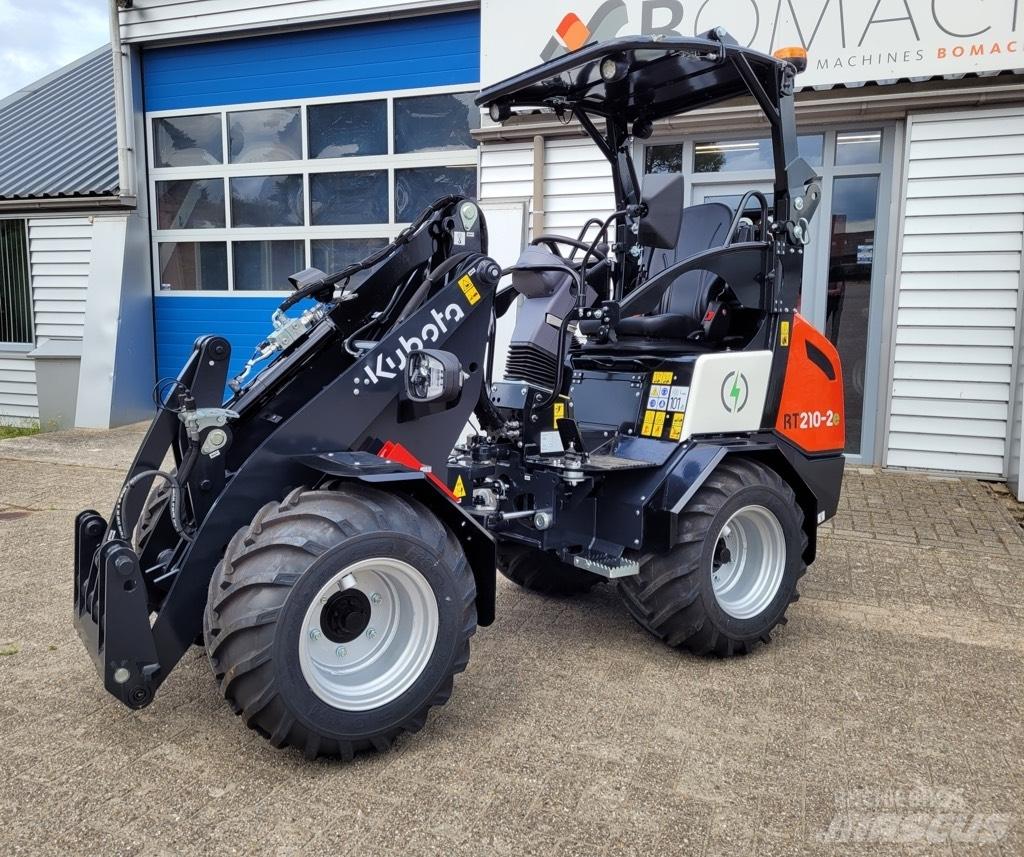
<point>749,562</point>
<point>384,659</point>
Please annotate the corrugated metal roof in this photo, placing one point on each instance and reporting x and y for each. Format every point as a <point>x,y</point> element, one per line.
<point>58,137</point>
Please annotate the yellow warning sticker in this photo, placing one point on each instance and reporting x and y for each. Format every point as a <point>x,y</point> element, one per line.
<point>648,425</point>
<point>663,378</point>
<point>469,289</point>
<point>677,426</point>
<point>559,412</point>
<point>459,490</point>
<point>784,334</point>
<point>659,424</point>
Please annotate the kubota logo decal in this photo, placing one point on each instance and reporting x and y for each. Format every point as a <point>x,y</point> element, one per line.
<point>735,392</point>
<point>386,367</point>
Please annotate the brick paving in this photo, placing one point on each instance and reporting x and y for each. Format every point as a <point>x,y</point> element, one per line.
<point>884,719</point>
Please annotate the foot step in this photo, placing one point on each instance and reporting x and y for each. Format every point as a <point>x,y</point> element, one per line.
<point>606,565</point>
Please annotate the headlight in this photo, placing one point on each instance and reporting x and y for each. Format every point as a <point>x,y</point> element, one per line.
<point>433,376</point>
<point>614,68</point>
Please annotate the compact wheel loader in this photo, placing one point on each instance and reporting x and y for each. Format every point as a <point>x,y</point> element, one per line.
<point>666,421</point>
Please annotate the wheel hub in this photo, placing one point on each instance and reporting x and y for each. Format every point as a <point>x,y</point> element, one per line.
<point>749,562</point>
<point>368,634</point>
<point>345,616</point>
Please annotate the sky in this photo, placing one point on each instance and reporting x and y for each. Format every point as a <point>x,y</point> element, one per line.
<point>40,36</point>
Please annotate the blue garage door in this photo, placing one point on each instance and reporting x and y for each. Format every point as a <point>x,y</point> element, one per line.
<point>271,153</point>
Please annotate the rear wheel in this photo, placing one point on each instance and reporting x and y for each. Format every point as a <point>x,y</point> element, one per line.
<point>542,572</point>
<point>729,581</point>
<point>338,618</point>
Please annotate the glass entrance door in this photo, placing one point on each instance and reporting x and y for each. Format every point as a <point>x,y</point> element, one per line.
<point>844,272</point>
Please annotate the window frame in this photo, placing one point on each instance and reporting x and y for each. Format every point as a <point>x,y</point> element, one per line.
<point>24,347</point>
<point>305,168</point>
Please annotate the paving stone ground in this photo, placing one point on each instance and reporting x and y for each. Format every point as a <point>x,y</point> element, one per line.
<point>884,719</point>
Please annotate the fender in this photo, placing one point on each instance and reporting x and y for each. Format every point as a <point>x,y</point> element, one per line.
<point>812,478</point>
<point>392,476</point>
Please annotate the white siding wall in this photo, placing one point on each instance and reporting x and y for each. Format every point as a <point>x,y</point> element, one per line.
<point>59,250</point>
<point>958,293</point>
<point>506,171</point>
<point>17,389</point>
<point>577,186</point>
<point>167,19</point>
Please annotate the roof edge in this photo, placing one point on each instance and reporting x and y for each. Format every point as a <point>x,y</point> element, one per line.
<point>36,85</point>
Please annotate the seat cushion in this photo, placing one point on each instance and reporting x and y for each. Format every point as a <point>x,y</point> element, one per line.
<point>664,326</point>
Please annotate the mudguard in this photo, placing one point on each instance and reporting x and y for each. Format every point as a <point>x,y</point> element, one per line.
<point>475,540</point>
<point>815,480</point>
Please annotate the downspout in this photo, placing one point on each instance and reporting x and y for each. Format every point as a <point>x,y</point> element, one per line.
<point>538,185</point>
<point>125,170</point>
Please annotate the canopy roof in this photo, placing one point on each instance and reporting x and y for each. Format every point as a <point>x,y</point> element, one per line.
<point>658,77</point>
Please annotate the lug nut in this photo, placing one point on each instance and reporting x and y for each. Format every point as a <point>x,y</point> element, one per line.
<point>371,633</point>
<point>375,598</point>
<point>314,634</point>
<point>340,651</point>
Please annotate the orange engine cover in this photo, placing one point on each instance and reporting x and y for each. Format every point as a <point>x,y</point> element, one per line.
<point>812,410</point>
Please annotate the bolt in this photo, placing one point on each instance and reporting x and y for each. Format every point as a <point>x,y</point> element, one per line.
<point>375,598</point>
<point>340,651</point>
<point>323,599</point>
<point>121,675</point>
<point>124,565</point>
<point>371,633</point>
<point>217,438</point>
<point>798,203</point>
<point>314,634</point>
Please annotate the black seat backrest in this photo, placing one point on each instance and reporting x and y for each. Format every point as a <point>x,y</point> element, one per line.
<point>703,228</point>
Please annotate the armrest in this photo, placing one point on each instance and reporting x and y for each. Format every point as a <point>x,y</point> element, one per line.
<point>742,266</point>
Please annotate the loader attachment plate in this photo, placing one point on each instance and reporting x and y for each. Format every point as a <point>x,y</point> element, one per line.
<point>108,582</point>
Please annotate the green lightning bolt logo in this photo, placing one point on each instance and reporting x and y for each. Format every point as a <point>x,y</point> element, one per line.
<point>735,391</point>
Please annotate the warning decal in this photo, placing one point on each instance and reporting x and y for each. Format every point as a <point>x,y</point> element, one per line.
<point>469,289</point>
<point>460,489</point>
<point>677,427</point>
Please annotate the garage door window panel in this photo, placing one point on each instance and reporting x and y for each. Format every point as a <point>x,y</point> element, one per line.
<point>240,192</point>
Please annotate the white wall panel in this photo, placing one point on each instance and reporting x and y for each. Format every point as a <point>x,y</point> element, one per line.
<point>59,253</point>
<point>957,311</point>
<point>18,401</point>
<point>150,20</point>
<point>577,186</point>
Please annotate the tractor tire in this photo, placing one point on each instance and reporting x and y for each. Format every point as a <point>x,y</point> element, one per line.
<point>728,582</point>
<point>541,572</point>
<point>338,618</point>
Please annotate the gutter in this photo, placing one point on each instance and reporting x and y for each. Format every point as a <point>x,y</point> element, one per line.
<point>64,204</point>
<point>125,171</point>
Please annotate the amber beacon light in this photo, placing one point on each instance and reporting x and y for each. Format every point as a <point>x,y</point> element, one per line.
<point>796,56</point>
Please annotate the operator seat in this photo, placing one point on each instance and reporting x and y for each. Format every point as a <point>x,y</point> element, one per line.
<point>686,301</point>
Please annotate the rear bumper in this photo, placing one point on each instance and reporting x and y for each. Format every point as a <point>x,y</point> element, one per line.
<point>111,614</point>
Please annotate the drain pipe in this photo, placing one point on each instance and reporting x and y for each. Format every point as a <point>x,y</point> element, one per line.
<point>125,168</point>
<point>538,185</point>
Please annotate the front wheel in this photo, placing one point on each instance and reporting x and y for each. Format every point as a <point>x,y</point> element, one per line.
<point>338,618</point>
<point>729,581</point>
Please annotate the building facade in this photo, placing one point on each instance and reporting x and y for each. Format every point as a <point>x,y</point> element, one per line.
<point>275,135</point>
<point>61,204</point>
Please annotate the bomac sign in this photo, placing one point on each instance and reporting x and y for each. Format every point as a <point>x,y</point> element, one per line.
<point>849,41</point>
